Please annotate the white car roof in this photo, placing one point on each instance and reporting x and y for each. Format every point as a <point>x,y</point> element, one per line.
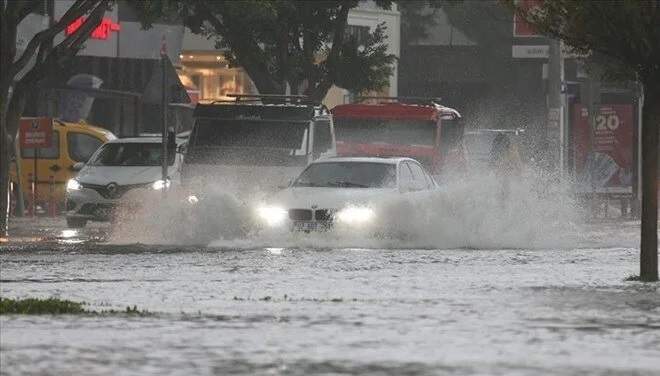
<point>142,140</point>
<point>393,160</point>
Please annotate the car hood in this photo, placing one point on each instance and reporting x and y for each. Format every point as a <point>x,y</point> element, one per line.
<point>248,181</point>
<point>124,175</point>
<point>329,198</point>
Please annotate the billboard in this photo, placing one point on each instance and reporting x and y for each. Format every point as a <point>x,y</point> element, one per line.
<point>608,166</point>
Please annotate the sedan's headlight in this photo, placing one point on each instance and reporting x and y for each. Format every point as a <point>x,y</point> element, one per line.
<point>73,185</point>
<point>160,184</point>
<point>272,215</point>
<point>355,215</point>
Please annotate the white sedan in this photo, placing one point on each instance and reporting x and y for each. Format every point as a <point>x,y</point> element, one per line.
<point>344,192</point>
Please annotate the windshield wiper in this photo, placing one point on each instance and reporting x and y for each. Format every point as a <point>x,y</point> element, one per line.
<point>346,184</point>
<point>306,184</point>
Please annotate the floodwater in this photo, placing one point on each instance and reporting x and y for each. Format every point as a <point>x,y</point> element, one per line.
<point>553,301</point>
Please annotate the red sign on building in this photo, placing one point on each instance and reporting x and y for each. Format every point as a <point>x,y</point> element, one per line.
<point>610,164</point>
<point>520,27</point>
<point>36,133</point>
<point>103,31</point>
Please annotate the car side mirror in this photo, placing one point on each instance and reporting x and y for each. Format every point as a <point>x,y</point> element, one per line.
<point>412,186</point>
<point>78,166</point>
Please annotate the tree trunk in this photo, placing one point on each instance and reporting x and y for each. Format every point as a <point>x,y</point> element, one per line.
<point>9,118</point>
<point>5,162</point>
<point>650,128</point>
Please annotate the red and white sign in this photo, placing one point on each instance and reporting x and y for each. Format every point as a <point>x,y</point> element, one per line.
<point>36,133</point>
<point>103,31</point>
<point>520,27</point>
<point>610,166</point>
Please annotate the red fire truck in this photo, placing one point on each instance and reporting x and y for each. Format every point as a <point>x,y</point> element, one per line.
<point>418,128</point>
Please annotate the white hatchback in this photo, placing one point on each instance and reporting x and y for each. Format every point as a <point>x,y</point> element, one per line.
<point>115,176</point>
<point>343,192</point>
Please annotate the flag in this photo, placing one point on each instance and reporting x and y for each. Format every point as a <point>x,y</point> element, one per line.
<point>163,47</point>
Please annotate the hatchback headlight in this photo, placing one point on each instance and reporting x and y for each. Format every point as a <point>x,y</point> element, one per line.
<point>355,215</point>
<point>272,215</point>
<point>73,185</point>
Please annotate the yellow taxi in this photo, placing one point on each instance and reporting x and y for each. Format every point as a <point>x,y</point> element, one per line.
<point>71,143</point>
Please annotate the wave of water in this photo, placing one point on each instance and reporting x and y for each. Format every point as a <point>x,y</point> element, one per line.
<point>479,212</point>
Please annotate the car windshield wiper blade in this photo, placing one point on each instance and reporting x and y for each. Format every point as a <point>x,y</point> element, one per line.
<point>306,184</point>
<point>346,184</point>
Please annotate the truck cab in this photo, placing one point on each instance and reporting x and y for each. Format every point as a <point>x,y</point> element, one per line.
<point>248,146</point>
<point>418,128</point>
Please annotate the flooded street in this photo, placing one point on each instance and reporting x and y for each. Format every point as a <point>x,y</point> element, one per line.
<point>241,309</point>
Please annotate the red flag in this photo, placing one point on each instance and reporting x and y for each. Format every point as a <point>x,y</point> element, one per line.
<point>163,47</point>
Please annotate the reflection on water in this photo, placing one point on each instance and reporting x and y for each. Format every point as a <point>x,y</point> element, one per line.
<point>476,286</point>
<point>301,311</point>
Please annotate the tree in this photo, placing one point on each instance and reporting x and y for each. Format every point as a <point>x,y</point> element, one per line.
<point>41,58</point>
<point>627,33</point>
<point>304,44</point>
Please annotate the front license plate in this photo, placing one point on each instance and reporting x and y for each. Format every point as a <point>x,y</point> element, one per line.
<point>311,226</point>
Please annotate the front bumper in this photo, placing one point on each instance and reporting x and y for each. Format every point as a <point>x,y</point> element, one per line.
<point>87,203</point>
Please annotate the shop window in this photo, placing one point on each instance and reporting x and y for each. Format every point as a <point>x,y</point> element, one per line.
<point>360,33</point>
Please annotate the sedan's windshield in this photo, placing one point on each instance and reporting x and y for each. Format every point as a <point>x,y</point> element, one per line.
<point>348,175</point>
<point>131,154</point>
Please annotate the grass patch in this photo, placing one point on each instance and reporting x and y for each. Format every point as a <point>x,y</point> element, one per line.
<point>51,306</point>
<point>54,306</point>
<point>637,278</point>
<point>287,298</point>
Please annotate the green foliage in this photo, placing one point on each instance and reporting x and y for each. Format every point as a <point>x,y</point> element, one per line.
<point>302,43</point>
<point>637,278</point>
<point>55,306</point>
<point>287,298</point>
<point>416,19</point>
<point>51,306</point>
<point>626,32</point>
<point>365,68</point>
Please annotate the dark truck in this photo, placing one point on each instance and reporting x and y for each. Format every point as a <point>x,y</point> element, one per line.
<point>247,146</point>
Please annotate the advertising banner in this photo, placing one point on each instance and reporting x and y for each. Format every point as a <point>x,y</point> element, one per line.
<point>608,166</point>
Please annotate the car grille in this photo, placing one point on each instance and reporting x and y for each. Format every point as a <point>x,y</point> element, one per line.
<point>91,209</point>
<point>300,214</point>
<point>111,191</point>
<point>323,215</point>
<point>306,214</point>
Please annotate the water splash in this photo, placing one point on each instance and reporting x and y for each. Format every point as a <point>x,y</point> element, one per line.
<point>471,212</point>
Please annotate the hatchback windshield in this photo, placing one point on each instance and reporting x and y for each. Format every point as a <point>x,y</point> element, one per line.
<point>348,175</point>
<point>131,154</point>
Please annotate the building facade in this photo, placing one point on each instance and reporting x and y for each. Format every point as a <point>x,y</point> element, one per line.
<point>116,80</point>
<point>205,73</point>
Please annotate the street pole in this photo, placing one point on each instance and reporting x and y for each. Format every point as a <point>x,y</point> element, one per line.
<point>20,201</point>
<point>554,132</point>
<point>163,103</point>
